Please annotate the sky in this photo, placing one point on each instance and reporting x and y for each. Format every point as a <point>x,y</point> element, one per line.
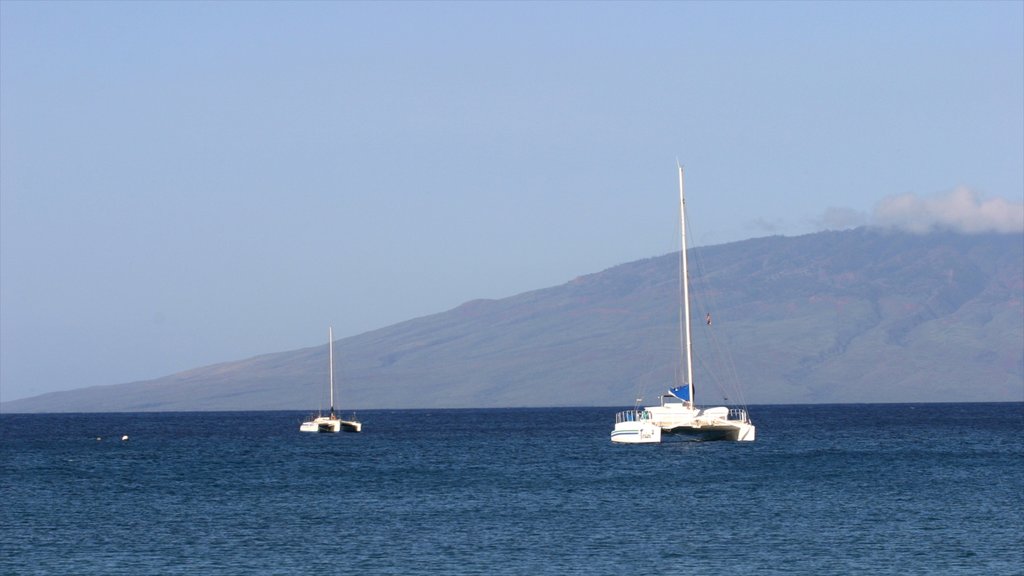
<point>187,183</point>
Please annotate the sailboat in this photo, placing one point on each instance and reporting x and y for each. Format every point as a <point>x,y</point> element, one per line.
<point>677,412</point>
<point>331,422</point>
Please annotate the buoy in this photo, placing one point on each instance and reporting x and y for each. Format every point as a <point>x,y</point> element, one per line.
<point>124,438</point>
<point>98,439</point>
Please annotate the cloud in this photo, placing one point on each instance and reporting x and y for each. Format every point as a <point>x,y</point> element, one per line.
<point>839,219</point>
<point>764,226</point>
<point>960,210</point>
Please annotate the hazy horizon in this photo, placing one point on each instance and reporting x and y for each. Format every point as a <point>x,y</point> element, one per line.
<point>183,184</point>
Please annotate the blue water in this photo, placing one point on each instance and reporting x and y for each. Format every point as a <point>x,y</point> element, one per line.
<point>848,489</point>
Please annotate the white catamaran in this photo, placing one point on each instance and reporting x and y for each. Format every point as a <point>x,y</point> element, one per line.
<point>330,422</point>
<point>677,413</point>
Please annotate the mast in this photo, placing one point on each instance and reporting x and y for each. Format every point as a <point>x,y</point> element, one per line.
<point>686,290</point>
<point>330,340</point>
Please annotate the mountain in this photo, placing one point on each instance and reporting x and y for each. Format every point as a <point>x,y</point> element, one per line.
<point>852,316</point>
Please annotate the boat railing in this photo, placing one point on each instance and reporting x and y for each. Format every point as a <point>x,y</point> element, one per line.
<point>632,416</point>
<point>738,414</point>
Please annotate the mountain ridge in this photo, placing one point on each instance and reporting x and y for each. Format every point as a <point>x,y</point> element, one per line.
<point>859,315</point>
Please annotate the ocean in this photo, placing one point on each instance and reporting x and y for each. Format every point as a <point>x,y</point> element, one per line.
<point>826,489</point>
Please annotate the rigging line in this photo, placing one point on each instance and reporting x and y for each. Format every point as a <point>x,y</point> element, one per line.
<point>714,369</point>
<point>724,359</point>
<point>730,381</point>
<point>707,368</point>
<point>729,365</point>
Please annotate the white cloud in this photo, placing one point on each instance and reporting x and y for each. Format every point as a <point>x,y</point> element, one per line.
<point>961,210</point>
<point>839,219</point>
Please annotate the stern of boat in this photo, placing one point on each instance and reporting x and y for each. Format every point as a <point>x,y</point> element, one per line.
<point>744,432</point>
<point>635,427</point>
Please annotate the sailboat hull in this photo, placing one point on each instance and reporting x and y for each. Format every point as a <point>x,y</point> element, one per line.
<point>321,424</point>
<point>718,423</point>
<point>649,432</point>
<point>739,432</point>
<point>329,425</point>
<point>636,433</point>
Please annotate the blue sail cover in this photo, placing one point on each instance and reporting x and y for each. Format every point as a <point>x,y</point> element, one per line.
<point>681,392</point>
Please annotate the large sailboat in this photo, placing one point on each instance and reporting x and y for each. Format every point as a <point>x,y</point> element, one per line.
<point>677,412</point>
<point>331,422</point>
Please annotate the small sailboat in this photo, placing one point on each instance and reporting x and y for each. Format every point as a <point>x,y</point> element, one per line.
<point>331,422</point>
<point>677,413</point>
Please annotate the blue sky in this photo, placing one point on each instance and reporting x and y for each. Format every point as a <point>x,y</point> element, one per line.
<point>193,182</point>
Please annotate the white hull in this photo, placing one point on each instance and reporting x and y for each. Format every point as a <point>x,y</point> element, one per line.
<point>647,426</point>
<point>636,433</point>
<point>321,424</point>
<point>677,417</point>
<point>328,424</point>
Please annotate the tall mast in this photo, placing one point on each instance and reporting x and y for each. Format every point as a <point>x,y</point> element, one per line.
<point>686,289</point>
<point>330,340</point>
